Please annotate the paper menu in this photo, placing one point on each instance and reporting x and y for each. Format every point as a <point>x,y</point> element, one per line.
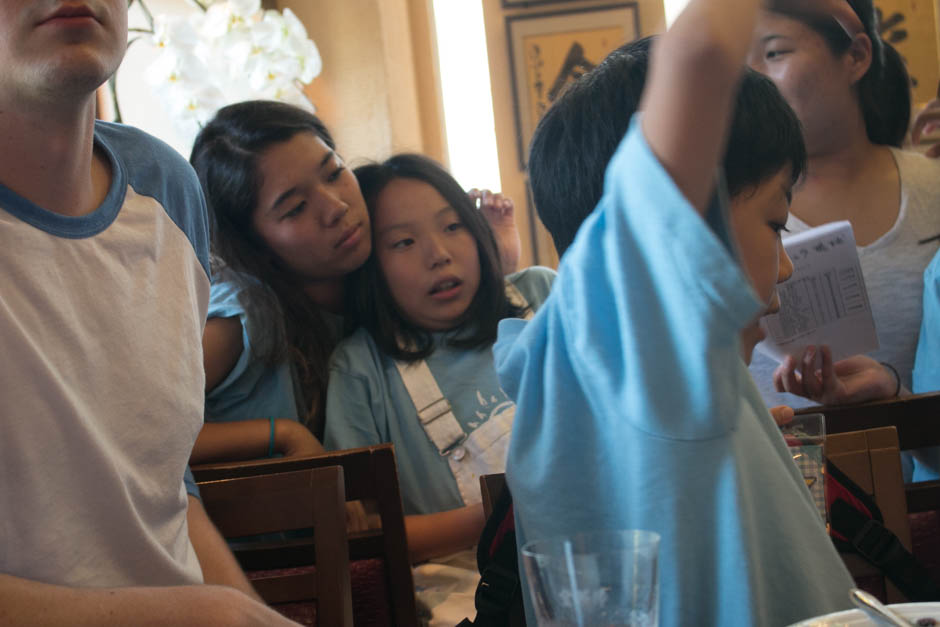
<point>825,301</point>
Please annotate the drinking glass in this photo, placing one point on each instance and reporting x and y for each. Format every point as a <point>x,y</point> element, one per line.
<point>806,436</point>
<point>594,579</point>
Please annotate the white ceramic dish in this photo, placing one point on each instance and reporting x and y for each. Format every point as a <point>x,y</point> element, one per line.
<point>856,618</point>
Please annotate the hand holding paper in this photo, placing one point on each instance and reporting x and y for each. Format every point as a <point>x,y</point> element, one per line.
<point>855,379</point>
<point>825,301</point>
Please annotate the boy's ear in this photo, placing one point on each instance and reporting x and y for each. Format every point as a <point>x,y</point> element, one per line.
<point>859,56</point>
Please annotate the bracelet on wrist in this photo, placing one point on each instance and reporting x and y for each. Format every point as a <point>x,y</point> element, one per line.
<point>271,439</point>
<point>897,377</point>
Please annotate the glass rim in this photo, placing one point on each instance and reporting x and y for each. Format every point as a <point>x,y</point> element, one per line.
<point>641,537</point>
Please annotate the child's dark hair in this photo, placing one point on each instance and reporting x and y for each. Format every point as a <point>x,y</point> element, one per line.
<point>372,301</point>
<point>289,325</point>
<point>884,92</point>
<point>580,132</point>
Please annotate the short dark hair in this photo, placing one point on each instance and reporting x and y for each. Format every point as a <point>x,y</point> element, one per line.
<point>289,325</point>
<point>371,299</point>
<point>578,135</point>
<point>884,92</point>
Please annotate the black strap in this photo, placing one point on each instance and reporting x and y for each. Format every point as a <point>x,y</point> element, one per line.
<point>881,548</point>
<point>498,596</point>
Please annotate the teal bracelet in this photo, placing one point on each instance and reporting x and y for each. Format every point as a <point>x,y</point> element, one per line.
<point>271,439</point>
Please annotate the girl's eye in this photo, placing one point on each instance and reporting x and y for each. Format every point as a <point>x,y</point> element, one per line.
<point>403,243</point>
<point>335,174</point>
<point>453,226</point>
<point>779,227</point>
<point>770,55</point>
<point>296,211</point>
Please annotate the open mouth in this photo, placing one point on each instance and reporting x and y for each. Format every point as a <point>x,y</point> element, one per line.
<point>445,285</point>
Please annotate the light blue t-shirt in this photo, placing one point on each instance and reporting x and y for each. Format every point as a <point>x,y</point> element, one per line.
<point>253,388</point>
<point>927,365</point>
<point>368,404</point>
<point>635,411</point>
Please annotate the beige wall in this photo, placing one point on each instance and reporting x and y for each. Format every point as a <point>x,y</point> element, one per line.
<point>537,245</point>
<point>378,91</point>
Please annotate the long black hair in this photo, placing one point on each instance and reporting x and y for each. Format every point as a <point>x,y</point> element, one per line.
<point>289,326</point>
<point>884,92</point>
<point>372,302</point>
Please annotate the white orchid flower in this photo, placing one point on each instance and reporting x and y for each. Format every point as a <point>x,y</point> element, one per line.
<point>244,9</point>
<point>232,52</point>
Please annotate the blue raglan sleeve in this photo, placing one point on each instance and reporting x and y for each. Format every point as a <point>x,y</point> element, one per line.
<point>646,298</point>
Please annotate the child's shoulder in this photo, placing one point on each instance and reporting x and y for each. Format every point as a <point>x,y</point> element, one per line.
<point>356,353</point>
<point>534,283</point>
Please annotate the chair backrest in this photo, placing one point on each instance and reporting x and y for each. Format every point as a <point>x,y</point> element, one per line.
<point>287,501</point>
<point>371,475</point>
<point>917,420</point>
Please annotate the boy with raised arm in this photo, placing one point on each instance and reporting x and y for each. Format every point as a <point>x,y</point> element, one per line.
<point>103,262</point>
<point>634,406</point>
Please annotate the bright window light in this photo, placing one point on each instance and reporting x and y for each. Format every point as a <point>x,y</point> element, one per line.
<point>465,86</point>
<point>673,9</point>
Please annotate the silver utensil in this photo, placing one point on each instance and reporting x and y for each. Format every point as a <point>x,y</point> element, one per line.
<point>874,608</point>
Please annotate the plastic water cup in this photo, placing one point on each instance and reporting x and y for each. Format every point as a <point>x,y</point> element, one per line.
<point>602,578</point>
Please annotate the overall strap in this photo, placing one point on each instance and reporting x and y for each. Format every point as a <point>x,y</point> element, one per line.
<point>434,411</point>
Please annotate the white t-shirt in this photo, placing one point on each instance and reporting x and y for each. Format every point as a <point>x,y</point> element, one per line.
<point>893,267</point>
<point>101,320</point>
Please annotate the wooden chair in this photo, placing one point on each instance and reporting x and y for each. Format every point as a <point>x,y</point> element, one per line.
<point>370,475</point>
<point>301,499</point>
<point>917,420</point>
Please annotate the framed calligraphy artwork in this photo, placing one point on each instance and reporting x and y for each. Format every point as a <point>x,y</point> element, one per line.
<point>911,27</point>
<point>547,51</point>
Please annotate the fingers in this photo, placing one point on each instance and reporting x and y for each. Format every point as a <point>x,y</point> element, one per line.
<point>786,379</point>
<point>926,121</point>
<point>782,414</point>
<point>812,383</point>
<point>493,203</point>
<point>839,10</point>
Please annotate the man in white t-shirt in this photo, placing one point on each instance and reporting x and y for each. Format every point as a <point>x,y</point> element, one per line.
<point>103,262</point>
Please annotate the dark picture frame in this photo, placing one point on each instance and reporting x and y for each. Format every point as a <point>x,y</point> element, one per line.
<point>548,50</point>
<point>525,4</point>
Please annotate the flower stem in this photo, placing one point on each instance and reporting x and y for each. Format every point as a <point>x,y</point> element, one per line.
<point>147,14</point>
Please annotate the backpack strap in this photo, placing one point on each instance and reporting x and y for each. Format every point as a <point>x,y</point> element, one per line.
<point>499,595</point>
<point>857,525</point>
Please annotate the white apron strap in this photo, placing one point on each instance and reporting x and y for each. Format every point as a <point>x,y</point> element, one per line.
<point>434,410</point>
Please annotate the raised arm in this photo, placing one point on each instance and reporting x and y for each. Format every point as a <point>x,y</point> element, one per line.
<point>687,105</point>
